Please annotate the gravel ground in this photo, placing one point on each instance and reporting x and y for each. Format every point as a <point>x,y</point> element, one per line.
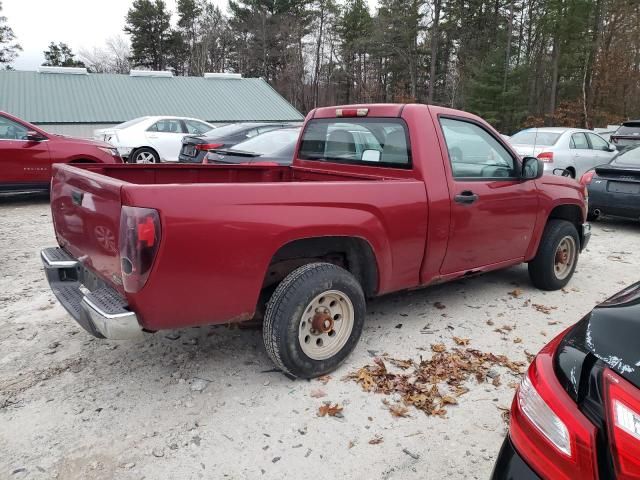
<point>206,403</point>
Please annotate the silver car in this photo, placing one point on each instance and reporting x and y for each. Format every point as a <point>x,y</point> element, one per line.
<point>573,149</point>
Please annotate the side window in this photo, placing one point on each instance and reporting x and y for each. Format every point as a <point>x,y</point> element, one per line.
<point>251,133</point>
<point>579,141</point>
<point>474,153</point>
<point>10,130</point>
<point>196,128</point>
<point>166,125</point>
<point>597,143</point>
<point>266,129</point>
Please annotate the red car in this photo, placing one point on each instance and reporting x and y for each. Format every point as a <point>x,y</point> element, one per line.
<point>27,153</point>
<point>576,414</point>
<point>379,198</point>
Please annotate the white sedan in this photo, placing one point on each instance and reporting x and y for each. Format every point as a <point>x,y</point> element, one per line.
<point>565,151</point>
<point>151,139</point>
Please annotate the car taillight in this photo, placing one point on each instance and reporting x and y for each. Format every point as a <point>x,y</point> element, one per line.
<point>547,428</point>
<point>587,178</point>
<point>546,157</point>
<point>623,418</point>
<point>139,242</point>
<point>205,147</point>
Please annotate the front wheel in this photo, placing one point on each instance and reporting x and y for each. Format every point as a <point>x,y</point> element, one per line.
<point>557,256</point>
<point>314,320</point>
<point>144,155</point>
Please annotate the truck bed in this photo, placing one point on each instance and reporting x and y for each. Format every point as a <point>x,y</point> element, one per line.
<point>183,174</point>
<point>220,225</point>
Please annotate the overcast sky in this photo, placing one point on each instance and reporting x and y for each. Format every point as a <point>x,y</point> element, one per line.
<point>82,24</point>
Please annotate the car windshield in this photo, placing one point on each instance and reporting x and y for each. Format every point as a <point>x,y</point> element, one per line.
<point>228,130</point>
<point>130,123</point>
<point>629,129</point>
<point>534,137</point>
<point>269,143</point>
<point>628,158</point>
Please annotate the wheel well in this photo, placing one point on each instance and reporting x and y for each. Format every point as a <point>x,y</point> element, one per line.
<point>353,254</point>
<point>571,213</point>
<point>573,170</point>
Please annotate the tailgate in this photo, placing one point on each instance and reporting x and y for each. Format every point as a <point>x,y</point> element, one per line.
<point>86,216</point>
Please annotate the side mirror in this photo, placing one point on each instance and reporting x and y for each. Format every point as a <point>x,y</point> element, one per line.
<point>371,156</point>
<point>532,168</point>
<point>612,148</point>
<point>34,136</point>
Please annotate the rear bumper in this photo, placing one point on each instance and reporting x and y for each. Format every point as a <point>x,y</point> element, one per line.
<point>96,306</point>
<point>511,466</point>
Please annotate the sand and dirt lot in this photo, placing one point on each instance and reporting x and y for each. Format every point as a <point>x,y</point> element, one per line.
<point>207,403</point>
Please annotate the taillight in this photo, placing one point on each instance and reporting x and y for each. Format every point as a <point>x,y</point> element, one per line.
<point>547,428</point>
<point>623,418</point>
<point>205,147</point>
<point>352,112</point>
<point>587,178</point>
<point>139,242</point>
<point>546,157</point>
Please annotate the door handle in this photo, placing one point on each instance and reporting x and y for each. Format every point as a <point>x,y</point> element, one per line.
<point>153,136</point>
<point>466,197</point>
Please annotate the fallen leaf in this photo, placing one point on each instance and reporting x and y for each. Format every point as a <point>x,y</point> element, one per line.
<point>449,400</point>
<point>376,440</point>
<point>490,322</point>
<point>517,340</point>
<point>318,393</point>
<point>439,306</point>
<point>438,347</point>
<point>403,364</point>
<point>496,381</point>
<point>461,341</point>
<point>516,293</point>
<point>328,409</point>
<point>324,379</point>
<point>543,308</point>
<point>399,410</point>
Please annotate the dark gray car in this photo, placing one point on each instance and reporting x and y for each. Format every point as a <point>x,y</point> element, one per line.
<point>274,147</point>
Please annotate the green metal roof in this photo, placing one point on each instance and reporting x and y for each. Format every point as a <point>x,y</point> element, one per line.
<point>109,98</point>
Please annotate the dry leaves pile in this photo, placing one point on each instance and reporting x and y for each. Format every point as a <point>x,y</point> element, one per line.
<point>327,408</point>
<point>421,386</point>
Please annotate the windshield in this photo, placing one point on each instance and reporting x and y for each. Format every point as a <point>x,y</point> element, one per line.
<point>629,129</point>
<point>628,158</point>
<point>130,123</point>
<point>368,141</point>
<point>269,143</point>
<point>533,137</point>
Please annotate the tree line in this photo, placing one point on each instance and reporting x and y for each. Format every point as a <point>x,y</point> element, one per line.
<point>515,62</point>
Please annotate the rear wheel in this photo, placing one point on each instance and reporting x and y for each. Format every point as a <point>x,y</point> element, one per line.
<point>314,320</point>
<point>144,155</point>
<point>557,256</point>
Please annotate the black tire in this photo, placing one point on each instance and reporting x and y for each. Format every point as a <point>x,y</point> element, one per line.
<point>285,312</point>
<point>144,151</point>
<point>592,217</point>
<point>542,269</point>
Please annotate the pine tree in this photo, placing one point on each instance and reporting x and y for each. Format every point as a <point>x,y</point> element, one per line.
<point>149,24</point>
<point>60,55</point>
<point>9,48</point>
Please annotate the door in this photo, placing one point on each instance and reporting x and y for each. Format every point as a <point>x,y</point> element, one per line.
<point>165,136</point>
<point>602,149</point>
<point>22,161</point>
<point>583,156</point>
<point>493,212</point>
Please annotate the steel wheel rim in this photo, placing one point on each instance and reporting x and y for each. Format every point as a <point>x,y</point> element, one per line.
<point>326,325</point>
<point>145,157</point>
<point>565,257</point>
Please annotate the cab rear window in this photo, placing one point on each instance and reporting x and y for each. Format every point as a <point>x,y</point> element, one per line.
<point>364,141</point>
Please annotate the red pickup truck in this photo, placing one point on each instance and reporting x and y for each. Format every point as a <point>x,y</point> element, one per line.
<point>379,198</point>
<point>27,153</point>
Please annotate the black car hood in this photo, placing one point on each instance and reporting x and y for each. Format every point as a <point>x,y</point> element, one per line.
<point>611,333</point>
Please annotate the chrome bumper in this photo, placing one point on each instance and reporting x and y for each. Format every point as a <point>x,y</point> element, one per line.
<point>97,307</point>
